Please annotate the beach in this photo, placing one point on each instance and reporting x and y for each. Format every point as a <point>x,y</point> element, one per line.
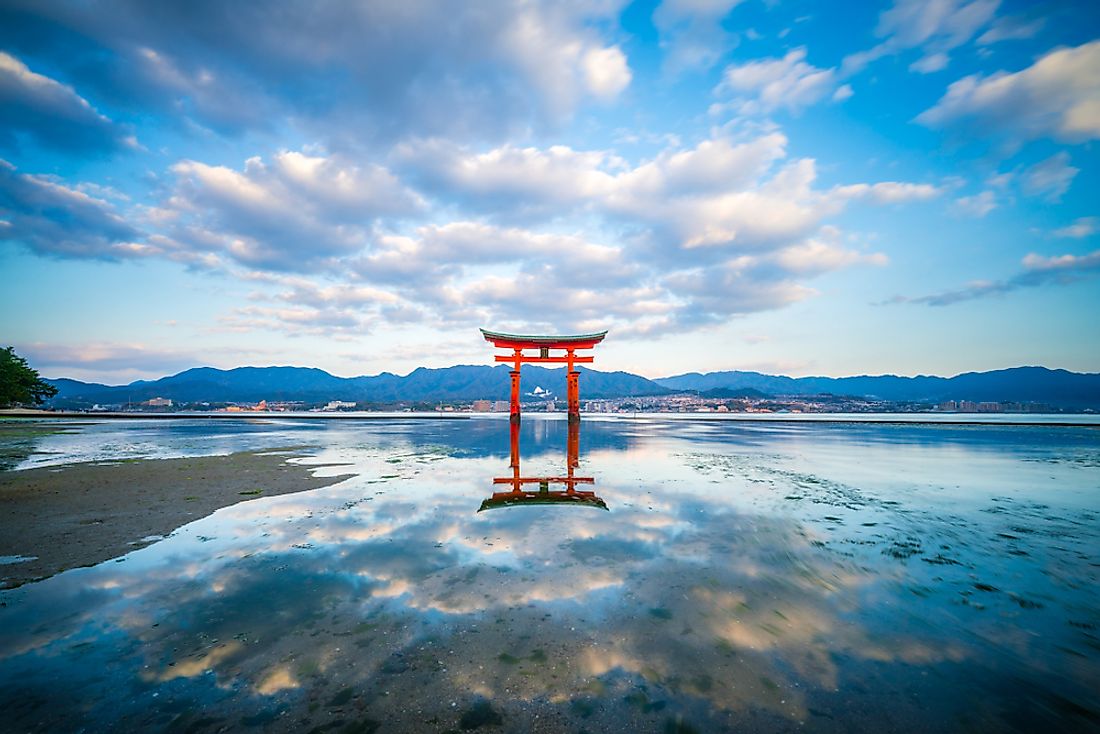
<point>86,513</point>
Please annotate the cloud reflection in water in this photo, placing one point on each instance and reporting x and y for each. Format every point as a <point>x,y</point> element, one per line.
<point>755,576</point>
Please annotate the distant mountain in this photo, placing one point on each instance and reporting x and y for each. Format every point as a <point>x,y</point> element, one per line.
<point>730,392</point>
<point>1058,388</point>
<point>252,384</point>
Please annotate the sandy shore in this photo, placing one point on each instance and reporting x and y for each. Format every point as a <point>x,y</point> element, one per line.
<point>83,514</point>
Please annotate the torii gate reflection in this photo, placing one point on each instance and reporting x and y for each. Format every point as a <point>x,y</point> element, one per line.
<point>518,495</point>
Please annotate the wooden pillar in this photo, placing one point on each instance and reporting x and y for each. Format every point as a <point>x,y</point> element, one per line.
<point>574,397</point>
<point>573,447</point>
<point>514,408</point>
<point>573,388</point>
<point>514,439</point>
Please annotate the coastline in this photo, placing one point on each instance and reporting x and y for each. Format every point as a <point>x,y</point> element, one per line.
<point>1053,420</point>
<point>83,514</point>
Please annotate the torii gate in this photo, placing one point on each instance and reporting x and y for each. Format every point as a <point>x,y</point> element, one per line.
<point>518,342</point>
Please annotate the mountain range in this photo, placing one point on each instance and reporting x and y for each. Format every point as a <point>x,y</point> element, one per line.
<point>1058,388</point>
<point>1018,384</point>
<point>251,384</point>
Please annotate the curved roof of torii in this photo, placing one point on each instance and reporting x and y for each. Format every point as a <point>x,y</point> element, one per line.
<point>542,340</point>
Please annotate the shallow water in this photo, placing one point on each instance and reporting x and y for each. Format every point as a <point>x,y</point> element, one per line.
<point>750,576</point>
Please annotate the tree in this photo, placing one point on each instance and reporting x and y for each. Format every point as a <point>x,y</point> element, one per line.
<point>19,384</point>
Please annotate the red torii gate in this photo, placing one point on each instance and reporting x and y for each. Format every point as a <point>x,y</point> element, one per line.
<point>519,342</point>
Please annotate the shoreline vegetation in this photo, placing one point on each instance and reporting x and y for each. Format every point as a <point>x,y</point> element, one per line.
<point>77,515</point>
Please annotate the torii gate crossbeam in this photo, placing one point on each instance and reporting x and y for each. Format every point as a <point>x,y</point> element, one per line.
<point>517,343</point>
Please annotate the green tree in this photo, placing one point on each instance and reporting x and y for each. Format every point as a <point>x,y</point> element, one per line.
<point>19,384</point>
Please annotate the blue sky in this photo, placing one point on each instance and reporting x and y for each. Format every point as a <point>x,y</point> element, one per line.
<point>791,187</point>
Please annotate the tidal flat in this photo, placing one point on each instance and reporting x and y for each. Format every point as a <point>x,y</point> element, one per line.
<point>732,577</point>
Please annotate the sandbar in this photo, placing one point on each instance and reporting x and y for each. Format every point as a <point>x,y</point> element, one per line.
<point>63,517</point>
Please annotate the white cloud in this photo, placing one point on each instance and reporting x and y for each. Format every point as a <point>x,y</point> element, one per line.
<point>1038,270</point>
<point>52,113</point>
<point>1058,96</point>
<point>682,193</point>
<point>1081,227</point>
<point>946,23</point>
<point>347,74</point>
<point>336,244</point>
<point>816,256</point>
<point>891,192</point>
<point>843,92</point>
<point>935,26</point>
<point>767,85</point>
<point>692,34</point>
<point>508,176</point>
<point>716,293</point>
<point>1049,178</point>
<point>930,63</point>
<point>977,205</point>
<point>606,71</point>
<point>289,214</point>
<point>1010,28</point>
<point>1062,263</point>
<point>54,219</point>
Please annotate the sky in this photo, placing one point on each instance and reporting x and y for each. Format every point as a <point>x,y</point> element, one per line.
<point>802,188</point>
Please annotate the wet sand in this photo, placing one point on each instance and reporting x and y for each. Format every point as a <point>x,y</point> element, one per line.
<point>83,514</point>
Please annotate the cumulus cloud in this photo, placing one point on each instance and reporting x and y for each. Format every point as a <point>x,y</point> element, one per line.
<point>1058,97</point>
<point>934,27</point>
<point>510,179</point>
<point>51,113</point>
<point>288,214</point>
<point>1037,270</point>
<point>1049,178</point>
<point>670,220</point>
<point>547,237</point>
<point>719,193</point>
<point>789,83</point>
<point>606,71</point>
<point>53,219</point>
<point>465,270</point>
<point>691,32</point>
<point>351,73</point>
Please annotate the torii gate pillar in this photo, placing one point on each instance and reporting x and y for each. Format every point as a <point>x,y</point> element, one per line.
<point>517,343</point>
<point>573,389</point>
<point>514,406</point>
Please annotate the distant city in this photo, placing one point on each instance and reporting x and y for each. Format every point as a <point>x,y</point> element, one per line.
<point>676,403</point>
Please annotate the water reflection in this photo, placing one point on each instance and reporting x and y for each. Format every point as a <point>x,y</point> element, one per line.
<point>570,495</point>
<point>20,439</point>
<point>749,578</point>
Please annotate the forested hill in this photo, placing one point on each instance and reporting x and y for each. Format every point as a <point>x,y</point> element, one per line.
<point>251,384</point>
<point>1019,384</point>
